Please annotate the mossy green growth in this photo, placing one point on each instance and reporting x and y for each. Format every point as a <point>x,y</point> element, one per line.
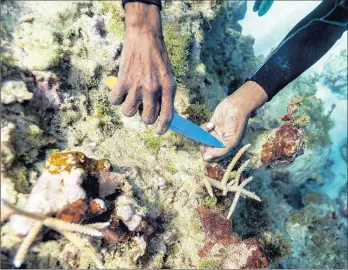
<point>172,169</point>
<point>198,113</point>
<point>115,22</point>
<point>274,246</point>
<point>317,131</point>
<point>210,202</point>
<point>177,42</point>
<point>152,142</point>
<point>103,110</point>
<point>209,263</point>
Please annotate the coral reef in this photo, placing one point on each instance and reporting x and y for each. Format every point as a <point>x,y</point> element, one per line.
<point>309,227</point>
<point>58,55</point>
<point>334,74</point>
<point>45,90</point>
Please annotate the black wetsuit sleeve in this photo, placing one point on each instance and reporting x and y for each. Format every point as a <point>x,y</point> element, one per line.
<point>154,2</point>
<point>304,45</point>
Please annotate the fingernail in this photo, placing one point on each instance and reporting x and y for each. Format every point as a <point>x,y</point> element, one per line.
<point>207,156</point>
<point>210,125</point>
<point>156,135</point>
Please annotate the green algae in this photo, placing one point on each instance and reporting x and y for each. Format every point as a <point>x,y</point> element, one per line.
<point>115,22</point>
<point>177,42</point>
<point>198,113</point>
<point>209,202</point>
<point>209,263</point>
<point>152,142</point>
<point>274,246</point>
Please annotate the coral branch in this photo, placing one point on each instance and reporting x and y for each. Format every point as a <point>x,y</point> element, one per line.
<point>63,227</point>
<point>233,185</point>
<point>233,163</point>
<point>28,240</point>
<point>237,195</point>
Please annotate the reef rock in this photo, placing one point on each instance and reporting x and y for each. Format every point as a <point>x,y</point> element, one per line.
<point>14,91</point>
<point>281,146</point>
<point>8,152</point>
<point>224,249</point>
<point>247,254</point>
<point>129,212</point>
<point>284,146</point>
<point>46,90</point>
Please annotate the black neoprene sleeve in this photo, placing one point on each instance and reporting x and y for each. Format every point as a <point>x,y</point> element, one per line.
<point>306,43</point>
<point>154,2</point>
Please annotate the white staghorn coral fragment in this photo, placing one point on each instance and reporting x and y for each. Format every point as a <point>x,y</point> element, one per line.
<point>233,185</point>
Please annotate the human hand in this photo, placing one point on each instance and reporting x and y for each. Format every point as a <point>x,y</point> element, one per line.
<point>231,117</point>
<point>146,78</point>
<point>262,6</point>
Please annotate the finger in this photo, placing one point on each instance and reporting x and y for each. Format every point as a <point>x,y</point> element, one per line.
<point>118,93</point>
<point>209,126</point>
<point>265,6</point>
<point>150,101</point>
<point>167,109</point>
<point>257,5</point>
<point>132,102</point>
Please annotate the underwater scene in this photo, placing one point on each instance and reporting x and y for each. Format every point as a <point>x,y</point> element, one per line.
<point>174,134</point>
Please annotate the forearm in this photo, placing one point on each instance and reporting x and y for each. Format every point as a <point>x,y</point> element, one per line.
<point>153,2</point>
<point>142,18</point>
<point>302,47</point>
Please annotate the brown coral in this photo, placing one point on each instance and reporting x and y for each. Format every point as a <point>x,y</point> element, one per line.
<point>247,254</point>
<point>287,141</point>
<point>287,144</point>
<point>73,212</point>
<point>217,228</point>
<point>231,252</point>
<point>213,171</point>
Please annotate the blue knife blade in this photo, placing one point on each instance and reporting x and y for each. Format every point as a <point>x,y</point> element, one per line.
<point>194,132</point>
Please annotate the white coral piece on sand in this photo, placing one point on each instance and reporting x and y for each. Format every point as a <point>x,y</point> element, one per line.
<point>50,194</point>
<point>127,212</point>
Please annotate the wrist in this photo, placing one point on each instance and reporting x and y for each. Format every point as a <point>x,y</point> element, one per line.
<point>143,18</point>
<point>250,96</point>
